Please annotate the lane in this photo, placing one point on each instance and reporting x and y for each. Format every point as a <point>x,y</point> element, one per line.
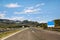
<point>34,34</point>
<point>46,35</point>
<point>24,35</point>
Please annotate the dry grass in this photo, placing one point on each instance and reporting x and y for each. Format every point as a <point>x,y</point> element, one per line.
<point>4,34</point>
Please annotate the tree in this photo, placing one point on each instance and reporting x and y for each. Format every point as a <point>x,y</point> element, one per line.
<point>43,25</point>
<point>57,22</point>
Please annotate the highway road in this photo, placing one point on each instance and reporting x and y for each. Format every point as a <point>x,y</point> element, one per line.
<point>34,34</point>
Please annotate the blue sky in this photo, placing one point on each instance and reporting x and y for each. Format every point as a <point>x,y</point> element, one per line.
<point>33,10</point>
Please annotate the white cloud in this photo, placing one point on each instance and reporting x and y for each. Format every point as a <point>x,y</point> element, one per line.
<point>2,14</point>
<point>41,4</point>
<point>37,5</point>
<point>32,7</point>
<point>43,21</point>
<point>16,18</point>
<point>31,10</point>
<point>28,11</point>
<point>12,5</point>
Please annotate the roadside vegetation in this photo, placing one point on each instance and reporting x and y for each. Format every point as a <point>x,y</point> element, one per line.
<point>8,27</point>
<point>4,34</point>
<point>56,26</point>
<point>11,26</point>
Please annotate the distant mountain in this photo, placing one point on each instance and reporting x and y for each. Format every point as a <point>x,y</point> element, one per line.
<point>7,21</point>
<point>18,22</point>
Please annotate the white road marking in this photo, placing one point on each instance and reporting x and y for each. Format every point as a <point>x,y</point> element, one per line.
<point>13,34</point>
<point>33,31</point>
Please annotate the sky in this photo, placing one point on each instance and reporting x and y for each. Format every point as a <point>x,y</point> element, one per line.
<point>32,10</point>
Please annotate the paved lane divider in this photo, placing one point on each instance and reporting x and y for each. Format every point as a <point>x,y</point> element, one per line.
<point>13,34</point>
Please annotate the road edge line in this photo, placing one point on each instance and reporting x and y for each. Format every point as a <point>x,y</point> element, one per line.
<point>13,34</point>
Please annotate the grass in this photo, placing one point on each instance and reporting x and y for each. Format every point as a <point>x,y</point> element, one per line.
<point>58,30</point>
<point>51,29</point>
<point>4,34</point>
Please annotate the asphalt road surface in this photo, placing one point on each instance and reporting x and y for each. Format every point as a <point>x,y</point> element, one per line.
<point>34,34</point>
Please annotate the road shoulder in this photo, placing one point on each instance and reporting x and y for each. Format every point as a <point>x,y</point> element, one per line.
<point>13,34</point>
